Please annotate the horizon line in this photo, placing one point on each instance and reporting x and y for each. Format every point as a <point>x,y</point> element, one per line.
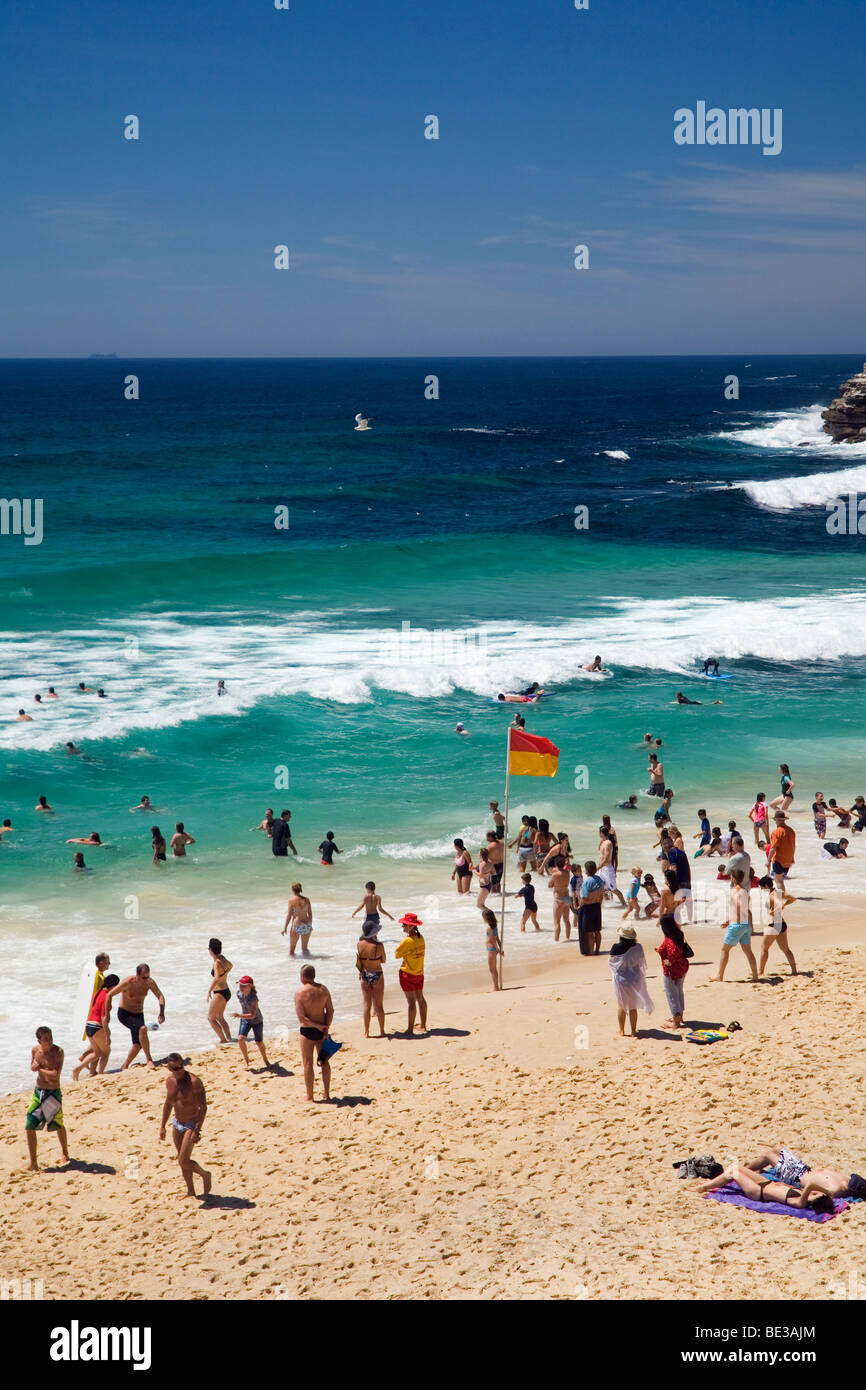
<point>439,356</point>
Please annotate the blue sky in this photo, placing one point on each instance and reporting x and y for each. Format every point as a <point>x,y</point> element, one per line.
<point>306,127</point>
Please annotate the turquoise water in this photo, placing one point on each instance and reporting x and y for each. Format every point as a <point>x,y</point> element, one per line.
<point>161,571</point>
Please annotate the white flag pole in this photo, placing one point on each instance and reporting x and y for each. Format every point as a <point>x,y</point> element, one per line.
<point>504,848</point>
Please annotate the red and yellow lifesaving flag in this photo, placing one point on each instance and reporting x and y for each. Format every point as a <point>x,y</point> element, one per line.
<point>529,756</point>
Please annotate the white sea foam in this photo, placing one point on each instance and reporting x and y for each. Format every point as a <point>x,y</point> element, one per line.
<point>811,490</point>
<point>436,849</point>
<point>615,453</point>
<point>162,672</point>
<point>792,429</point>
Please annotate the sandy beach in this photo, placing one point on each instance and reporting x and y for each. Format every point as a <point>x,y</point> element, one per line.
<point>520,1150</point>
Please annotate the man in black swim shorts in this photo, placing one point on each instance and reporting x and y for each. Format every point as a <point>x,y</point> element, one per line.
<point>315,1013</point>
<point>133,991</point>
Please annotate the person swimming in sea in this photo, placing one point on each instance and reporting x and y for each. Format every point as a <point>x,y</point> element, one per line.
<point>595,665</point>
<point>684,700</point>
<point>462,730</point>
<point>221,688</point>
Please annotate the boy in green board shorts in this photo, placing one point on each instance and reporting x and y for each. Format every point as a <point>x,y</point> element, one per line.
<point>45,1109</point>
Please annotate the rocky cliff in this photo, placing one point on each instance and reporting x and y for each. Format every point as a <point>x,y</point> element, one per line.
<point>845,417</point>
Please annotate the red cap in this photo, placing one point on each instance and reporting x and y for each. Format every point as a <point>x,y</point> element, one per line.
<point>245,980</point>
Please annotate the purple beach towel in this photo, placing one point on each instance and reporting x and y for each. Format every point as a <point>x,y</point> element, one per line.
<point>731,1194</point>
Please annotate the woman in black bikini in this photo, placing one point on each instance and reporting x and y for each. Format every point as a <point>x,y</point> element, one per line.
<point>219,993</point>
<point>763,1189</point>
<point>158,840</point>
<point>369,962</point>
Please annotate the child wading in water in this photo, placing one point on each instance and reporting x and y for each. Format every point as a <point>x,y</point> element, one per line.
<point>655,896</point>
<point>530,906</point>
<point>633,906</point>
<point>371,905</point>
<point>494,945</point>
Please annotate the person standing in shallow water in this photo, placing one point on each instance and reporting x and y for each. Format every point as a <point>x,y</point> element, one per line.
<point>179,841</point>
<point>462,870</point>
<point>299,921</point>
<point>371,906</point>
<point>281,836</point>
<point>486,873</point>
<point>783,801</point>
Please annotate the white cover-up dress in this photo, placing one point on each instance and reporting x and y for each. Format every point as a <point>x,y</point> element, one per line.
<point>629,979</point>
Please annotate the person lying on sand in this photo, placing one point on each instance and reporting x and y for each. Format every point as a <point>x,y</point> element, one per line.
<point>793,1175</point>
